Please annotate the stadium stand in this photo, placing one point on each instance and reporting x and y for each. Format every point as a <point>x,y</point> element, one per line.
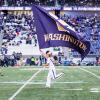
<point>19,33</point>
<point>20,30</point>
<point>50,2</point>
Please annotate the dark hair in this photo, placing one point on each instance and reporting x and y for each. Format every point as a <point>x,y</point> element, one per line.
<point>55,58</point>
<point>47,52</point>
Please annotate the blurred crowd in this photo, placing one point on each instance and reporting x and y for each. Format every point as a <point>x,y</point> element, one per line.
<point>20,29</point>
<point>50,2</point>
<point>26,2</point>
<point>12,60</point>
<point>16,59</point>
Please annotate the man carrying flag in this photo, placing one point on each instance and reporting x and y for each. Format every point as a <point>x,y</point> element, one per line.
<point>52,71</point>
<point>54,32</point>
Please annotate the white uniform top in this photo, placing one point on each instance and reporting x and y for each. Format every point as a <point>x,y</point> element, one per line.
<point>50,62</point>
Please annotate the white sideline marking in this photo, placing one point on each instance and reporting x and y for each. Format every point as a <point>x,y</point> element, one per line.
<point>80,89</point>
<point>20,89</point>
<point>90,73</point>
<point>37,69</point>
<point>16,82</point>
<point>29,68</point>
<point>96,90</point>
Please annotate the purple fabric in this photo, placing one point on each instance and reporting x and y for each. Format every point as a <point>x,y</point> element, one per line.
<point>46,25</point>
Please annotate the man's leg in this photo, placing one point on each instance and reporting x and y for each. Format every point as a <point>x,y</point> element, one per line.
<point>55,75</point>
<point>59,75</point>
<point>48,83</point>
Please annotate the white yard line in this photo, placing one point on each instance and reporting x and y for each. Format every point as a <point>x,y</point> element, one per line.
<point>95,90</point>
<point>90,73</point>
<point>37,68</point>
<point>23,82</point>
<point>20,89</point>
<point>80,89</point>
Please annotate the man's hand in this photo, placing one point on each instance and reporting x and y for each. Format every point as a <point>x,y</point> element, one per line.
<point>40,50</point>
<point>46,65</point>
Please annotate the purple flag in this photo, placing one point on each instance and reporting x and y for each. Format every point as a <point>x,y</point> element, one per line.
<point>54,32</point>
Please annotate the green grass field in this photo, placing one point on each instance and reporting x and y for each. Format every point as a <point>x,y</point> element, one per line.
<point>27,83</point>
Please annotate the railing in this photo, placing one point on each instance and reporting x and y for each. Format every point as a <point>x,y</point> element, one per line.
<point>74,8</point>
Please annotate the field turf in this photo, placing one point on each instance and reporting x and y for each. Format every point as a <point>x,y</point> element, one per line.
<point>28,83</point>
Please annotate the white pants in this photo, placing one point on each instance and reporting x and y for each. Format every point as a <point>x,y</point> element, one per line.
<point>51,75</point>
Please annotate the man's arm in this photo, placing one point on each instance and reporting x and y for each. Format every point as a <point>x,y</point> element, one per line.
<point>46,65</point>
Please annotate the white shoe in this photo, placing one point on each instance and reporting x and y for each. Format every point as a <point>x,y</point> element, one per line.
<point>47,86</point>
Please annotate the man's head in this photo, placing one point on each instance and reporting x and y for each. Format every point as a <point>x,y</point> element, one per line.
<point>48,53</point>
